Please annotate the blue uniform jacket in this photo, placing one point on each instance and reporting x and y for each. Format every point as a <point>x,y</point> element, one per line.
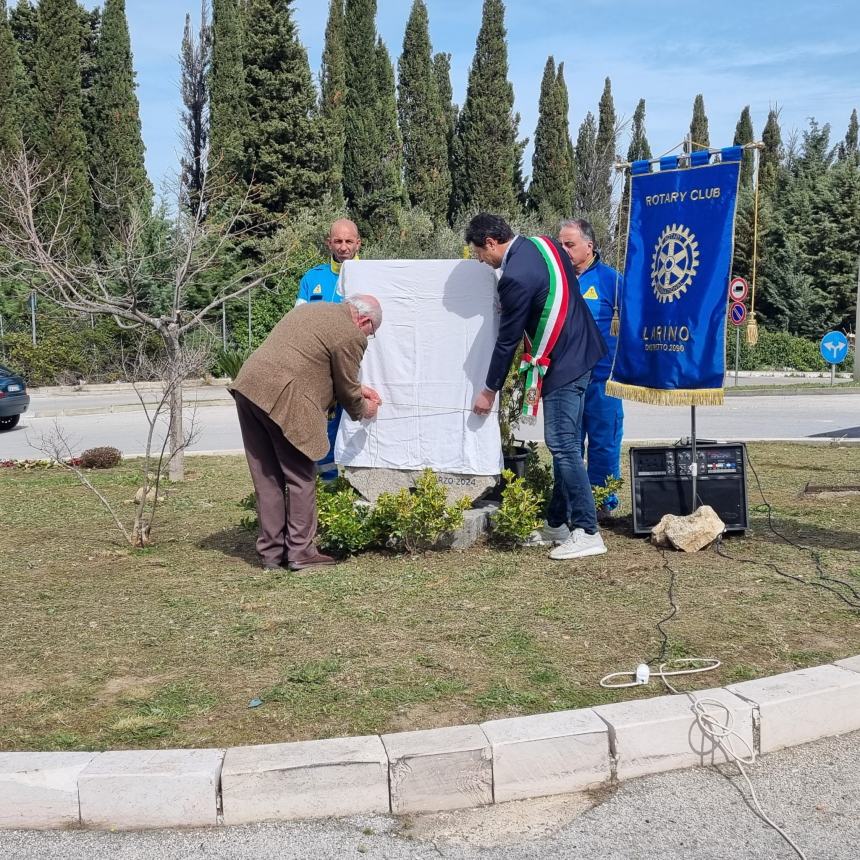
<point>523,289</point>
<point>320,284</point>
<point>597,286</point>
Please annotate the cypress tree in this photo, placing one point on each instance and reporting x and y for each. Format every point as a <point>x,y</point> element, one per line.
<point>286,151</point>
<point>638,150</point>
<point>550,190</point>
<point>333,97</point>
<point>423,122</point>
<point>604,152</point>
<point>10,120</point>
<point>485,145</point>
<point>24,24</point>
<point>390,193</point>
<point>584,197</point>
<point>61,139</point>
<point>118,167</point>
<point>228,112</point>
<point>848,149</point>
<point>521,198</point>
<point>744,134</point>
<point>770,158</point>
<point>90,30</point>
<point>362,146</point>
<point>195,59</point>
<point>442,72</point>
<point>699,125</point>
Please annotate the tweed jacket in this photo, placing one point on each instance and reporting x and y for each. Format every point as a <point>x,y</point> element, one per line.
<point>309,360</point>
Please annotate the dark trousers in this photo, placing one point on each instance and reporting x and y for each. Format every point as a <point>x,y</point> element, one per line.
<point>285,484</point>
<point>572,501</point>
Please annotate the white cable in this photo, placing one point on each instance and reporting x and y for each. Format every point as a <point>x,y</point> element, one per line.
<point>662,673</point>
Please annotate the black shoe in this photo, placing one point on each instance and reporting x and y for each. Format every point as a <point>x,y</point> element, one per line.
<point>318,559</point>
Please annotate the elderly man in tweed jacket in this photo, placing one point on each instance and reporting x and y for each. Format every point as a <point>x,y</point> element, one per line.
<point>283,394</point>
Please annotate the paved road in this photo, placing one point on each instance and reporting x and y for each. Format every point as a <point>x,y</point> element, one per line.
<point>754,417</point>
<point>810,791</point>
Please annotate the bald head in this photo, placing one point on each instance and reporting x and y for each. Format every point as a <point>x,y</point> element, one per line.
<point>365,309</point>
<point>343,240</point>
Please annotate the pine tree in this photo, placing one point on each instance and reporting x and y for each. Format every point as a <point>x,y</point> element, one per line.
<point>584,196</point>
<point>10,119</point>
<point>195,60</point>
<point>228,112</point>
<point>550,190</point>
<point>24,24</point>
<point>744,134</point>
<point>60,138</point>
<point>485,145</point>
<point>120,174</point>
<point>848,149</point>
<point>639,150</point>
<point>770,159</point>
<point>604,152</point>
<point>699,125</point>
<point>333,97</point>
<point>423,122</point>
<point>286,152</point>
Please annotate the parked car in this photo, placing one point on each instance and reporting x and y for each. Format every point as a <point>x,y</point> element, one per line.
<point>13,398</point>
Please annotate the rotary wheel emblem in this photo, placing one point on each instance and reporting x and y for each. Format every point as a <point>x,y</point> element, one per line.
<point>674,263</point>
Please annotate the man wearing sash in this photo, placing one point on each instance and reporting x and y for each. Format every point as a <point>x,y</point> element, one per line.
<point>540,300</point>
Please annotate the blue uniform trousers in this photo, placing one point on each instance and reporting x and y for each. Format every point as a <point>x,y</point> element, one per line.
<point>602,429</point>
<point>326,468</point>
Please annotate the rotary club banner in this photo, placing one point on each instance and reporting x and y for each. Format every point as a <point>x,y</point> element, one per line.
<point>671,343</point>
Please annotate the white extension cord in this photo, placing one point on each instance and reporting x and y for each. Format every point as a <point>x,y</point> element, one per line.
<point>713,717</point>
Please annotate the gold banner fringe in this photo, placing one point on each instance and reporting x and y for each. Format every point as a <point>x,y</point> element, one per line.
<point>666,397</point>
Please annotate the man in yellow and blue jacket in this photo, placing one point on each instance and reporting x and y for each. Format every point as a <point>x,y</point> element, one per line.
<point>320,284</point>
<point>603,416</point>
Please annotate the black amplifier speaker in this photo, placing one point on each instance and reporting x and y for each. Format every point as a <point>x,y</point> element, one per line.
<point>662,483</point>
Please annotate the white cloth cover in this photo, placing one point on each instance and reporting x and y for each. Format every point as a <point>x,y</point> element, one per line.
<point>428,362</point>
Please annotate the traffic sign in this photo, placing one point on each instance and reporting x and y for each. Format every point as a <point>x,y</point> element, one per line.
<point>834,347</point>
<point>739,289</point>
<point>737,313</point>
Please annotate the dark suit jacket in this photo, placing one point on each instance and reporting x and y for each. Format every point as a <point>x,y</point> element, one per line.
<point>523,289</point>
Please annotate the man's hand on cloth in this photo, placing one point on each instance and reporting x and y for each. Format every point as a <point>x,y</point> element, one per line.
<point>372,401</point>
<point>484,402</point>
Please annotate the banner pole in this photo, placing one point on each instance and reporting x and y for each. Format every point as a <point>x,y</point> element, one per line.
<point>694,459</point>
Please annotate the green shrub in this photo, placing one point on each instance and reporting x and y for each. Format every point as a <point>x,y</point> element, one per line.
<point>100,458</point>
<point>344,523</point>
<point>601,494</point>
<point>228,362</point>
<point>778,350</point>
<point>414,520</point>
<point>539,476</point>
<point>519,512</point>
<point>249,503</point>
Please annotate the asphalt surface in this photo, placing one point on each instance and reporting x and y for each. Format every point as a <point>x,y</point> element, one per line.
<point>740,418</point>
<point>812,792</point>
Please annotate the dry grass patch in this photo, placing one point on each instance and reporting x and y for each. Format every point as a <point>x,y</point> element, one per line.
<point>107,647</point>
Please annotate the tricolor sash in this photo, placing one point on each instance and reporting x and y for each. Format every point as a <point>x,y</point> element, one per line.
<point>535,361</point>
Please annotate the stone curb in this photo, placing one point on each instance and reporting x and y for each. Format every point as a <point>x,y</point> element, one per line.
<point>118,407</point>
<point>423,771</point>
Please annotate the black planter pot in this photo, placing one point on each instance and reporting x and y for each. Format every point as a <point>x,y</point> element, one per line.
<point>515,460</point>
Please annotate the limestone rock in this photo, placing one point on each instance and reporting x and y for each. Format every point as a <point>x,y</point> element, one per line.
<point>690,533</point>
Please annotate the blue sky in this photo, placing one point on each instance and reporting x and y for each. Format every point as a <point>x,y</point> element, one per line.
<point>803,56</point>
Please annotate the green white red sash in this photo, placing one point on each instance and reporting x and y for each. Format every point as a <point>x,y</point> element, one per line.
<point>535,361</point>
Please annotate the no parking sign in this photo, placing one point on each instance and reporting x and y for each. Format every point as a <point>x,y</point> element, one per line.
<point>737,313</point>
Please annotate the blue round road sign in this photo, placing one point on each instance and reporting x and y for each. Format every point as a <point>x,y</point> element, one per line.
<point>737,313</point>
<point>834,347</point>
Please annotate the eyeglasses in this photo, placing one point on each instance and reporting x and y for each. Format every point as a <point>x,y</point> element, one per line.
<point>372,329</point>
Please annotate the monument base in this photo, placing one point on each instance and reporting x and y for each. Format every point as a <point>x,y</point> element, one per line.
<point>371,483</point>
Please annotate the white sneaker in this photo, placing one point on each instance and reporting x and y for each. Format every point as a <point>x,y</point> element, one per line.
<point>579,545</point>
<point>548,536</point>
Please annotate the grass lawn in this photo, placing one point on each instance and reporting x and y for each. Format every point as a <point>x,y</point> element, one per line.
<point>102,646</point>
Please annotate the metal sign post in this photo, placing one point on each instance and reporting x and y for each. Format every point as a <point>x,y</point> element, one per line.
<point>834,350</point>
<point>738,291</point>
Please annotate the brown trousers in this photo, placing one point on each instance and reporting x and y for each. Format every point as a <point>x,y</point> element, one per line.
<point>285,484</point>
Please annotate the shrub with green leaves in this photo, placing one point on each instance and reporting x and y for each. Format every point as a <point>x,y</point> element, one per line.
<point>249,503</point>
<point>601,494</point>
<point>519,512</point>
<point>539,477</point>
<point>413,520</point>
<point>228,362</point>
<point>344,523</point>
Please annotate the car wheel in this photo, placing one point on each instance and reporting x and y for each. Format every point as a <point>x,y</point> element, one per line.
<point>9,422</point>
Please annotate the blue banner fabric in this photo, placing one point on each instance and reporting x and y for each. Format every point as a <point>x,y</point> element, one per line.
<point>671,344</point>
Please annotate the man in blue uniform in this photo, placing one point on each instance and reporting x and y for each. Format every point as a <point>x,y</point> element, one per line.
<point>603,416</point>
<point>320,284</point>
